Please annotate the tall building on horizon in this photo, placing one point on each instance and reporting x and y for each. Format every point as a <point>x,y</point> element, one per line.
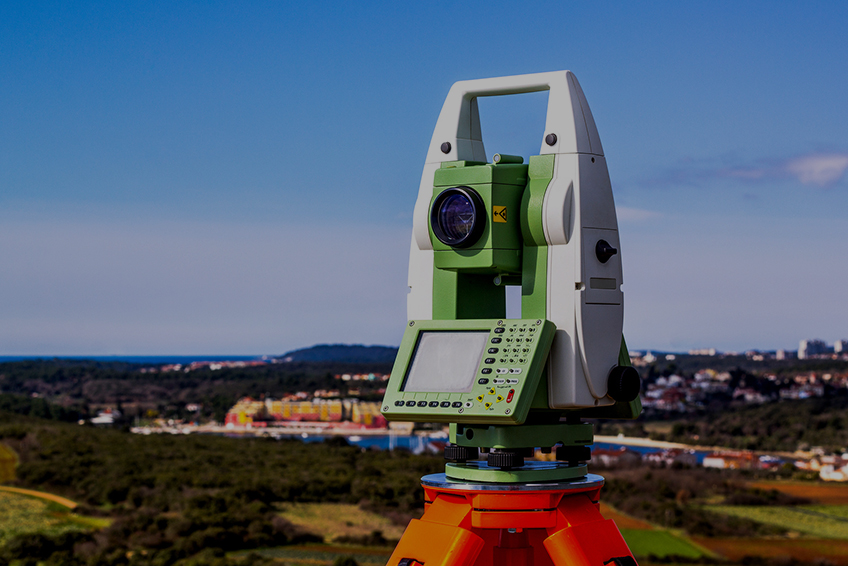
<point>808,348</point>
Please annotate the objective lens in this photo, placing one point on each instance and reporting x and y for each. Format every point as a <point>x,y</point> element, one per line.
<point>458,217</point>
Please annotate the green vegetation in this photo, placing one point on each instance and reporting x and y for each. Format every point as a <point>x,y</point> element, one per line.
<point>173,497</point>
<point>782,425</point>
<point>660,544</point>
<point>673,498</point>
<point>840,511</point>
<point>329,555</point>
<point>8,462</point>
<point>37,407</point>
<point>341,522</point>
<point>23,514</point>
<point>807,520</point>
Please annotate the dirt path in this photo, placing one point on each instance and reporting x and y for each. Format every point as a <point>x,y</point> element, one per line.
<point>41,495</point>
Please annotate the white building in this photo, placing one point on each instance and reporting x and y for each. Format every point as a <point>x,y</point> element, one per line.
<point>809,348</point>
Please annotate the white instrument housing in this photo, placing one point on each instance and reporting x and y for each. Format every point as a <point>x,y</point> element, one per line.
<point>584,298</point>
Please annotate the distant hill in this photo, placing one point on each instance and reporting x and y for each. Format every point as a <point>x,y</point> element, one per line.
<point>344,353</point>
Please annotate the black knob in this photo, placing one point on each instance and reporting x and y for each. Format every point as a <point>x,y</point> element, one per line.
<point>446,147</point>
<point>574,453</point>
<point>624,383</point>
<point>604,251</point>
<point>505,459</point>
<point>550,139</point>
<point>456,453</point>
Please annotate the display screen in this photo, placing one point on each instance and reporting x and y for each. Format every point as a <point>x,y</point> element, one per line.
<point>446,361</point>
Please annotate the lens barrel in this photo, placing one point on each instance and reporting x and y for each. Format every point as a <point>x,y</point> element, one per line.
<point>458,217</point>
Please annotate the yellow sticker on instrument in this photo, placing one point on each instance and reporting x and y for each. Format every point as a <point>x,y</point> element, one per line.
<point>499,214</point>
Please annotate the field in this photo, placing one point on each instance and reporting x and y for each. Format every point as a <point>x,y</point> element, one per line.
<point>818,532</point>
<point>804,520</point>
<point>334,520</point>
<point>25,514</point>
<point>803,550</point>
<point>623,521</point>
<point>312,555</point>
<point>826,494</point>
<point>337,520</point>
<point>646,540</point>
<point>659,543</point>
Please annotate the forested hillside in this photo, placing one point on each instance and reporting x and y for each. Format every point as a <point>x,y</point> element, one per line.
<point>174,496</point>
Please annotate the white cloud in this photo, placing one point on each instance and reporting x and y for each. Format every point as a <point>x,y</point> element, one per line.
<point>818,169</point>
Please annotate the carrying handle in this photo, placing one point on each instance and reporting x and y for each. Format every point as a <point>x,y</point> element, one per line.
<point>458,137</point>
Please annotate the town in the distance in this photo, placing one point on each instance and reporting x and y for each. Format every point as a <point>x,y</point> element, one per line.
<point>675,386</point>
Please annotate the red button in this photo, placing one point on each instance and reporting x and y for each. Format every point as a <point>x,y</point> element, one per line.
<point>509,395</point>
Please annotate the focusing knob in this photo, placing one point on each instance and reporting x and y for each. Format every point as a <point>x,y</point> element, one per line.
<point>624,383</point>
<point>604,251</point>
<point>574,453</point>
<point>505,459</point>
<point>456,453</point>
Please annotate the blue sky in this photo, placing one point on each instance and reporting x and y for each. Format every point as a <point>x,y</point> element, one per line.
<point>238,178</point>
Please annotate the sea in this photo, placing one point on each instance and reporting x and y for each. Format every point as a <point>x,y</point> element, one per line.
<point>419,443</point>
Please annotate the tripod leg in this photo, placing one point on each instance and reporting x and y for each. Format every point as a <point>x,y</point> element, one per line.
<point>437,539</point>
<point>583,537</point>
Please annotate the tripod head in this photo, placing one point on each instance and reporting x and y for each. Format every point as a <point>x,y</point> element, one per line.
<point>505,385</point>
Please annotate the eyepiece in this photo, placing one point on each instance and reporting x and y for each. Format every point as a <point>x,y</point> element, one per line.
<point>458,217</point>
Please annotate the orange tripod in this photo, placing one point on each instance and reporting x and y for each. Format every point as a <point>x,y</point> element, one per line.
<point>524,524</point>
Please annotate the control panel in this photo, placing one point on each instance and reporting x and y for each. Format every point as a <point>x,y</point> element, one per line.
<point>468,371</point>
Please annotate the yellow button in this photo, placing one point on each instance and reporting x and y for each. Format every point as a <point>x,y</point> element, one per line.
<point>500,398</point>
<point>492,391</point>
<point>479,397</point>
<point>488,405</point>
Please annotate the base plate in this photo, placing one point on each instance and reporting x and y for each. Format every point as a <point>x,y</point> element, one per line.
<point>479,471</point>
<point>441,481</point>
